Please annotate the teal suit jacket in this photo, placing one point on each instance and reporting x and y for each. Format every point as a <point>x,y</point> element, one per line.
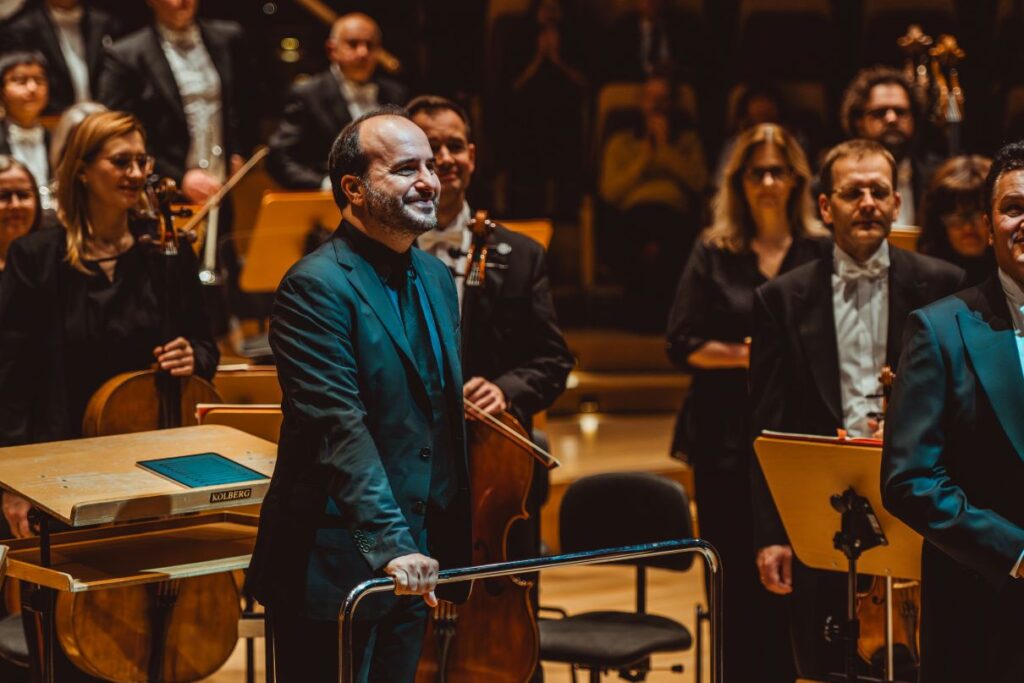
<point>953,470</point>
<point>354,461</point>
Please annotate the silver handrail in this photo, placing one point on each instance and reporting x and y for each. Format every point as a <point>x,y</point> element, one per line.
<point>487,571</point>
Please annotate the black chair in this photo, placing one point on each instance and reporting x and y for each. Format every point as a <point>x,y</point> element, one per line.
<point>613,510</point>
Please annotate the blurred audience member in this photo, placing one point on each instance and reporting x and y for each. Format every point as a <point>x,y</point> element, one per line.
<point>317,109</point>
<point>880,105</point>
<point>541,113</point>
<point>185,79</point>
<point>764,225</point>
<point>72,35</point>
<point>24,97</point>
<point>953,217</point>
<point>69,120</point>
<point>652,176</point>
<point>756,104</point>
<point>20,212</point>
<point>646,39</point>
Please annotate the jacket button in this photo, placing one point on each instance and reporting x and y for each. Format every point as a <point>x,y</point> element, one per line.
<point>419,507</point>
<point>425,452</point>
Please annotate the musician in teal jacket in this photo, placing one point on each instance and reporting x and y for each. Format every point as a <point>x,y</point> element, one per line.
<point>371,475</point>
<point>953,460</point>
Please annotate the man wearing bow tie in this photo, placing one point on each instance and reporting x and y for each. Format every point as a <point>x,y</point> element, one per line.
<point>823,332</point>
<point>513,352</point>
<point>317,109</point>
<point>185,79</point>
<point>953,461</point>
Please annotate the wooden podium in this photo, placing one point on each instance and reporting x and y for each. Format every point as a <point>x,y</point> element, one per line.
<point>186,532</point>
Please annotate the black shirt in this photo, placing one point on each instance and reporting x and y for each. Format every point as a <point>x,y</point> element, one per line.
<point>715,301</point>
<point>64,332</point>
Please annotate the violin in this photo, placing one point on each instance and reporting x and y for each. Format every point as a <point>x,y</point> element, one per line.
<point>173,631</point>
<point>493,636</point>
<point>906,605</point>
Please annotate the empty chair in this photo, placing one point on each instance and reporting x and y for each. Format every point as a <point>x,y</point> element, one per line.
<point>613,510</point>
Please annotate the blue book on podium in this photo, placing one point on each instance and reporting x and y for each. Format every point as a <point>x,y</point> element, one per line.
<point>201,469</point>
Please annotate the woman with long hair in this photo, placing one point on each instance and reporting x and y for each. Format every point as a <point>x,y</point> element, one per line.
<point>953,209</point>
<point>82,302</point>
<point>764,224</point>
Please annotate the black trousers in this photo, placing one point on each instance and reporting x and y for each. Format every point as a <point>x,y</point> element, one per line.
<point>970,631</point>
<point>385,650</point>
<point>757,645</point>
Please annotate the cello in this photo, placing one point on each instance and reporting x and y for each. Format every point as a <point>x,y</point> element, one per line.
<point>872,610</point>
<point>493,636</point>
<point>173,631</point>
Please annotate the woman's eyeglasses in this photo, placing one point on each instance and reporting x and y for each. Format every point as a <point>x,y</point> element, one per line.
<point>124,162</point>
<point>757,174</point>
<point>7,197</point>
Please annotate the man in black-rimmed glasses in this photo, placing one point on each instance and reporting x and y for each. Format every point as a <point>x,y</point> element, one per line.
<point>822,334</point>
<point>880,105</point>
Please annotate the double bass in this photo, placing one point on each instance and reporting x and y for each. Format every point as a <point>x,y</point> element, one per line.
<point>493,636</point>
<point>173,631</point>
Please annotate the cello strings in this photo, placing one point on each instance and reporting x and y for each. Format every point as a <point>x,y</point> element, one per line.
<point>550,460</point>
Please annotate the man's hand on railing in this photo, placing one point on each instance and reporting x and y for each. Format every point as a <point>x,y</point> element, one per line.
<point>414,575</point>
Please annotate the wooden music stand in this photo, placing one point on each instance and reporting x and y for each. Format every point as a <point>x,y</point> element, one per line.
<point>259,419</point>
<point>804,473</point>
<point>278,238</point>
<point>905,236</point>
<point>97,481</point>
<point>3,563</point>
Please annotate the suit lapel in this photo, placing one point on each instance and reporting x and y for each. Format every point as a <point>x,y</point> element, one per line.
<point>817,332</point>
<point>153,55</point>
<point>49,34</point>
<point>370,289</point>
<point>334,104</point>
<point>902,300</point>
<point>5,145</point>
<point>95,42</point>
<point>443,317</point>
<point>991,344</point>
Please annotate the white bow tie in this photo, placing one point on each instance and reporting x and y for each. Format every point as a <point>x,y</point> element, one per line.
<point>447,239</point>
<point>852,272</point>
<point>17,135</point>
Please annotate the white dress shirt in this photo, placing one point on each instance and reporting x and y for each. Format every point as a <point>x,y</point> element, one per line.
<point>72,46</point>
<point>361,97</point>
<point>451,245</point>
<point>1015,302</point>
<point>199,86</point>
<point>28,145</point>
<point>860,304</point>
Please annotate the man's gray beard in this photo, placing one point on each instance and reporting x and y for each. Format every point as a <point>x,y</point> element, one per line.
<point>395,216</point>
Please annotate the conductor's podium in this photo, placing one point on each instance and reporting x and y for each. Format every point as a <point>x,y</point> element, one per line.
<point>147,527</point>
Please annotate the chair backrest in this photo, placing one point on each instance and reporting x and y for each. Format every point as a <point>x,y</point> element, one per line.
<point>255,384</point>
<point>263,421</point>
<point>617,509</point>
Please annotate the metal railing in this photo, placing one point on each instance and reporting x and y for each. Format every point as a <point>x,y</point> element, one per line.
<point>690,545</point>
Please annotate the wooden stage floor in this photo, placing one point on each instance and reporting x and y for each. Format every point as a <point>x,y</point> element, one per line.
<point>589,445</point>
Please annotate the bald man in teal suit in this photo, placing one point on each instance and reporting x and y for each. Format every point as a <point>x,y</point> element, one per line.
<point>371,476</point>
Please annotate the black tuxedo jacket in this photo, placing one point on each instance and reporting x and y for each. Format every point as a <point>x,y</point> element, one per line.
<point>794,358</point>
<point>136,77</point>
<point>510,333</point>
<point>953,470</point>
<point>31,29</point>
<point>354,459</point>
<point>5,148</point>
<point>314,114</point>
